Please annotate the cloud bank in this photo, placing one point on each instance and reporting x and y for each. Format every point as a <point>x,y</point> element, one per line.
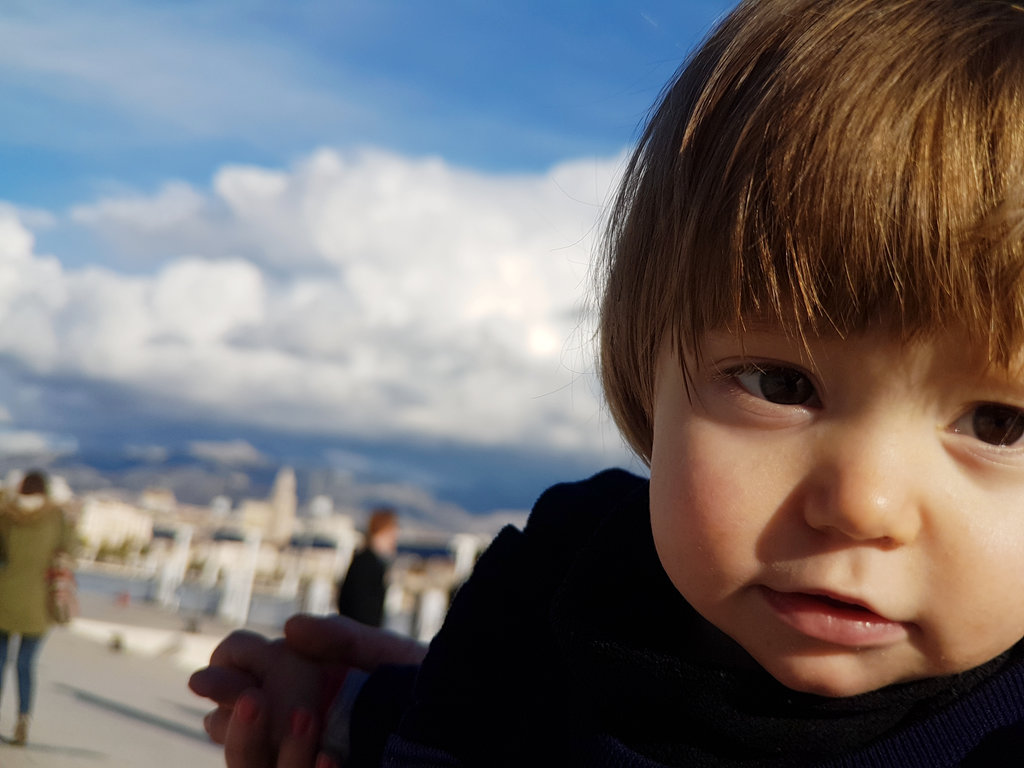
<point>361,293</point>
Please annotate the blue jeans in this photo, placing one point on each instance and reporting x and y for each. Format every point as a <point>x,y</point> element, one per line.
<point>28,647</point>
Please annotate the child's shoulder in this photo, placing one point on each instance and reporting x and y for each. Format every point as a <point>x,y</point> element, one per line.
<point>564,518</point>
<point>574,510</point>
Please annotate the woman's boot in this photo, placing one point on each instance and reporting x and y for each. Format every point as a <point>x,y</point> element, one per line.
<point>21,730</point>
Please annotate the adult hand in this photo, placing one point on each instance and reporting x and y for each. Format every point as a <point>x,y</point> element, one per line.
<point>245,661</point>
<point>281,678</point>
<point>270,694</point>
<point>341,640</point>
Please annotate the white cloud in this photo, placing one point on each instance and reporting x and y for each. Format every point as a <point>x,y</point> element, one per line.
<point>234,453</point>
<point>221,297</point>
<point>362,294</point>
<point>37,445</point>
<point>151,454</point>
<point>32,292</point>
<point>176,205</point>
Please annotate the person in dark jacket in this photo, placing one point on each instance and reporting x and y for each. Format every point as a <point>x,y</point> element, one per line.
<point>812,331</point>
<point>361,593</point>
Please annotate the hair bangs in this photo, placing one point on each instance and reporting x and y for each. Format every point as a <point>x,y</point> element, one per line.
<point>893,201</point>
<point>830,167</point>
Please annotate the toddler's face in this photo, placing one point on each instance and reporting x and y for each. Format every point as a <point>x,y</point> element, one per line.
<point>853,517</point>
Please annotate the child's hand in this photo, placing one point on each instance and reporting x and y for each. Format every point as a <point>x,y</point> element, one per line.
<point>247,737</point>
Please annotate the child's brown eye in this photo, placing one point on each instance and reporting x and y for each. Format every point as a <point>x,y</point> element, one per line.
<point>997,424</point>
<point>784,386</point>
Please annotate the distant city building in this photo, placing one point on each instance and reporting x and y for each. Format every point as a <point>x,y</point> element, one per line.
<point>254,515</point>
<point>109,523</point>
<point>274,517</point>
<point>264,547</point>
<point>220,507</point>
<point>284,502</point>
<point>158,500</point>
<point>321,507</point>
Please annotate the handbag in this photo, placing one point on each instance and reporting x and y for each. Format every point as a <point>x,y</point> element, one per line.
<point>61,590</point>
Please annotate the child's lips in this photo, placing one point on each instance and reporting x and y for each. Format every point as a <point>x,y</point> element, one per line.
<point>833,619</point>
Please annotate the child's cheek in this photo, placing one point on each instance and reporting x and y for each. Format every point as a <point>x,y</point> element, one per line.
<point>698,525</point>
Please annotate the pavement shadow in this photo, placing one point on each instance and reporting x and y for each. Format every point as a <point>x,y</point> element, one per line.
<point>53,749</point>
<point>192,710</point>
<point>134,713</point>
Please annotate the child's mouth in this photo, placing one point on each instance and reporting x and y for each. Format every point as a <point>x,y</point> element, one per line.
<point>833,620</point>
<point>844,605</point>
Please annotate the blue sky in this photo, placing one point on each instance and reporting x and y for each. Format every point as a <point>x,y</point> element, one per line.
<point>115,92</point>
<point>362,222</point>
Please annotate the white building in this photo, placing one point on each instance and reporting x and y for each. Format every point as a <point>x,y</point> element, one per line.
<point>112,524</point>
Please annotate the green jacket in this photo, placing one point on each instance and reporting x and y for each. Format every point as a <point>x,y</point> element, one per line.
<point>30,536</point>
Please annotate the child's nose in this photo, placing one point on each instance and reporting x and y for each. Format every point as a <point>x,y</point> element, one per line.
<point>865,490</point>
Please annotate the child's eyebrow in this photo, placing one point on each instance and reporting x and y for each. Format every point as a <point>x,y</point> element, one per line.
<point>998,383</point>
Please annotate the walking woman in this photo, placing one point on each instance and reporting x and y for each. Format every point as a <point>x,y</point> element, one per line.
<point>33,533</point>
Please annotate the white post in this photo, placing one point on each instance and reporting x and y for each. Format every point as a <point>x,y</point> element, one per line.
<point>344,548</point>
<point>289,586</point>
<point>432,605</point>
<point>234,604</point>
<point>465,547</point>
<point>318,596</point>
<point>172,571</point>
<point>212,566</point>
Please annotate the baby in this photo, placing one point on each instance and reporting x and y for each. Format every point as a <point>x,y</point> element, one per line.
<point>812,329</point>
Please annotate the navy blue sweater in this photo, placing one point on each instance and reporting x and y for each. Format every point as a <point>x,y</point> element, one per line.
<point>569,646</point>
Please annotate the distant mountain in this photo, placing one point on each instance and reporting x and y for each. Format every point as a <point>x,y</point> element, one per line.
<point>446,487</point>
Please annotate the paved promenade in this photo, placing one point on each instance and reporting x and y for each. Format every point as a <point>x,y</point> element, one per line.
<point>97,707</point>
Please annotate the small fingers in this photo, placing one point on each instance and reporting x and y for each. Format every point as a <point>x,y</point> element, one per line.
<point>247,742</point>
<point>215,723</point>
<point>299,746</point>
<point>222,684</point>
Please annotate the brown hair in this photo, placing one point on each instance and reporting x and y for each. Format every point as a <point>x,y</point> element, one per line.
<point>829,166</point>
<point>34,483</point>
<point>381,519</point>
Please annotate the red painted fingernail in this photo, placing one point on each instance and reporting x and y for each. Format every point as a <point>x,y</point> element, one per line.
<point>323,761</point>
<point>247,709</point>
<point>302,722</point>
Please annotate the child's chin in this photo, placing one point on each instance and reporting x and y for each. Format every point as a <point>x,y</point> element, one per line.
<point>831,679</point>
